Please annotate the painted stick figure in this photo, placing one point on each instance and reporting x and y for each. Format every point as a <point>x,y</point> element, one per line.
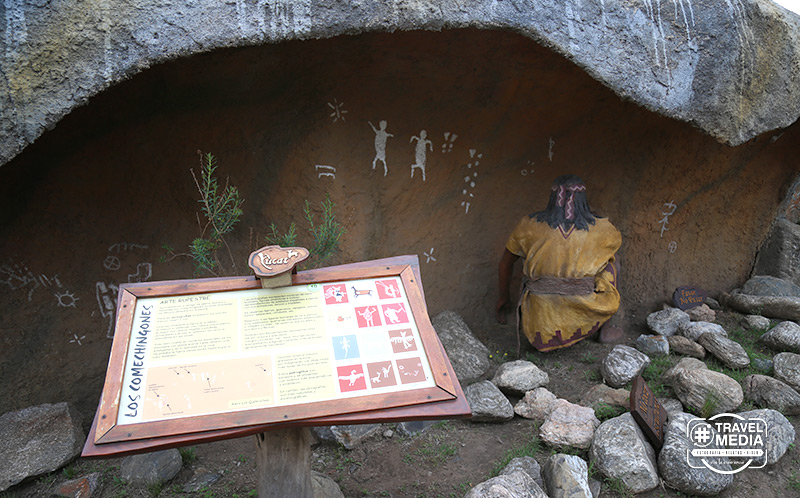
<point>367,315</point>
<point>380,145</point>
<point>420,152</point>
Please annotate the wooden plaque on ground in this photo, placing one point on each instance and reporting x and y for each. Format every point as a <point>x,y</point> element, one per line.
<point>213,358</point>
<point>648,412</point>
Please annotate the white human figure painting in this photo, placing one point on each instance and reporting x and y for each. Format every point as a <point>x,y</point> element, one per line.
<point>420,156</point>
<point>381,135</point>
<point>367,315</point>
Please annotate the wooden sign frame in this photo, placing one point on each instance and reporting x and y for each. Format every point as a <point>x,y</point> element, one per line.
<point>446,388</point>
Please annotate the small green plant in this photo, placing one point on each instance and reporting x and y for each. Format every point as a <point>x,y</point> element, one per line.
<point>592,375</point>
<point>793,481</point>
<point>326,233</point>
<point>710,404</point>
<point>604,411</point>
<point>529,448</point>
<point>654,374</point>
<point>619,487</point>
<point>188,455</point>
<point>241,459</point>
<point>154,489</point>
<point>588,358</point>
<point>69,472</point>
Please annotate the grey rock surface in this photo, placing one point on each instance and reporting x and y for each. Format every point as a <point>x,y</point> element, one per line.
<point>769,392</point>
<point>764,285</point>
<point>37,440</point>
<point>536,404</point>
<point>683,365</point>
<point>783,308</point>
<point>601,393</point>
<point>667,322</point>
<point>703,389</point>
<point>781,432</point>
<point>694,330</point>
<point>526,464</point>
<point>202,478</point>
<point>687,347</point>
<point>82,487</point>
<point>513,485</point>
<point>783,337</point>
<point>671,405</point>
<point>780,254</point>
<point>763,366</point>
<point>351,436</point>
<point>701,64</point>
<point>324,487</point>
<point>487,403</point>
<point>622,364</point>
<point>619,451</point>
<point>468,355</point>
<point>787,369</point>
<point>518,377</point>
<point>652,345</point>
<point>756,322</point>
<point>150,468</point>
<point>566,476</point>
<point>729,352</point>
<point>686,473</point>
<point>414,427</point>
<point>569,425</point>
<point>701,313</point>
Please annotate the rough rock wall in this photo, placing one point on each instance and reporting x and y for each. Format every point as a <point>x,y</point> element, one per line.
<point>729,68</point>
<point>90,204</point>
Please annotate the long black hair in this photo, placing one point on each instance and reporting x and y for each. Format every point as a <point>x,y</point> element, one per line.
<point>567,206</point>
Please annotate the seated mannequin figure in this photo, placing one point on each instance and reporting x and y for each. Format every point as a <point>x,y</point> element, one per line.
<point>569,284</point>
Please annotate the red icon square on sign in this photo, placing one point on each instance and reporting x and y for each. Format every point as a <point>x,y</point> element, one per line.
<point>335,294</point>
<point>388,289</point>
<point>395,313</point>
<point>402,341</point>
<point>351,378</point>
<point>368,316</point>
<point>381,374</point>
<point>410,370</point>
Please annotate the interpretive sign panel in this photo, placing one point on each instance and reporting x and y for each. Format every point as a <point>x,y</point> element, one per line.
<point>210,354</point>
<point>648,412</point>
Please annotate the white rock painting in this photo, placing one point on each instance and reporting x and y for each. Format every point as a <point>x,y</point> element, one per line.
<point>420,152</point>
<point>381,135</point>
<point>468,190</point>
<point>338,110</point>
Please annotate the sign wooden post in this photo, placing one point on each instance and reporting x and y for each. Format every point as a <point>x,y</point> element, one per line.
<point>283,456</point>
<point>648,412</point>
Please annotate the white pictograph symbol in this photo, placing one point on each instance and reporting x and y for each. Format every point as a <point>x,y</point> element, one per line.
<point>325,170</point>
<point>381,135</point>
<point>345,346</point>
<point>672,247</point>
<point>670,210</point>
<point>449,138</point>
<point>528,171</point>
<point>367,315</point>
<point>143,273</point>
<point>404,339</point>
<point>470,179</point>
<point>429,255</point>
<point>389,289</point>
<point>386,371</point>
<point>338,110</point>
<point>77,340</point>
<point>66,299</point>
<point>420,152</point>
<point>391,314</point>
<point>111,263</point>
<point>352,378</point>
<point>335,292</point>
<point>550,149</point>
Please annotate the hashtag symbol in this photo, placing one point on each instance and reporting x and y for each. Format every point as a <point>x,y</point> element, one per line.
<point>702,434</point>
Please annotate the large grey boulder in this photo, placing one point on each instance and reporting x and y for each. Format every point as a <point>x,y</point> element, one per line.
<point>619,451</point>
<point>151,468</point>
<point>787,369</point>
<point>764,285</point>
<point>685,364</point>
<point>526,464</point>
<point>729,352</point>
<point>566,476</point>
<point>516,484</point>
<point>780,432</point>
<point>569,425</point>
<point>37,440</point>
<point>687,347</point>
<point>622,364</point>
<point>667,322</point>
<point>487,403</point>
<point>694,330</point>
<point>784,308</point>
<point>707,390</point>
<point>783,337</point>
<point>536,404</point>
<point>515,378</point>
<point>780,254</point>
<point>771,393</point>
<point>700,64</point>
<point>756,322</point>
<point>652,345</point>
<point>684,472</point>
<point>468,355</point>
<point>324,487</point>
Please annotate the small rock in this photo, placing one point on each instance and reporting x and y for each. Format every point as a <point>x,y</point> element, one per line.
<point>713,304</point>
<point>667,321</point>
<point>414,427</point>
<point>729,352</point>
<point>514,485</point>
<point>351,436</point>
<point>780,433</point>
<point>652,345</point>
<point>601,393</point>
<point>783,337</point>
<point>684,364</point>
<point>763,365</point>
<point>622,364</point>
<point>202,478</point>
<point>388,433</point>
<point>569,425</point>
<point>82,487</point>
<point>324,487</point>
<point>620,451</point>
<point>674,462</point>
<point>469,357</point>
<point>487,403</point>
<point>771,393</point>
<point>701,313</point>
<point>694,330</point>
<point>150,468</point>
<point>787,369</point>
<point>515,378</point>
<point>707,391</point>
<point>756,322</point>
<point>687,347</point>
<point>567,476</point>
<point>526,464</point>
<point>536,404</point>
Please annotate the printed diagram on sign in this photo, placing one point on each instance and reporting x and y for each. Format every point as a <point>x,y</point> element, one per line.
<point>381,374</point>
<point>338,110</point>
<point>387,289</point>
<point>420,152</point>
<point>345,347</point>
<point>368,316</point>
<point>410,370</point>
<point>359,293</point>
<point>351,378</point>
<point>335,294</point>
<point>381,135</point>
<point>470,179</point>
<point>395,313</point>
<point>402,340</point>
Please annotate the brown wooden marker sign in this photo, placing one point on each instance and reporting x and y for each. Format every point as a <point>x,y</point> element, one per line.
<point>648,412</point>
<point>688,297</point>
